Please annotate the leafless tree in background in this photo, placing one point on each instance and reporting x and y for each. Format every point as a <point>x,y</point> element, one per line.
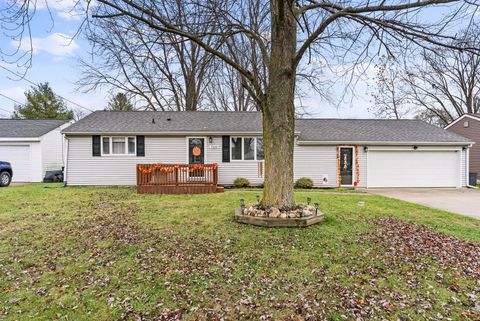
<point>389,97</point>
<point>344,32</point>
<point>163,71</point>
<point>438,87</point>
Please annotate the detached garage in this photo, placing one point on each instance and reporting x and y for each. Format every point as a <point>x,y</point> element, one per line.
<point>33,147</point>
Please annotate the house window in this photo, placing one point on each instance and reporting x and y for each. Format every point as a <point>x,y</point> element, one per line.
<point>118,145</point>
<point>131,145</point>
<point>260,154</point>
<point>236,148</point>
<point>246,148</point>
<point>106,145</point>
<point>465,124</point>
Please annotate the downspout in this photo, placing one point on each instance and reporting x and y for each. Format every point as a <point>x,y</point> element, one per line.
<point>65,162</point>
<point>467,166</point>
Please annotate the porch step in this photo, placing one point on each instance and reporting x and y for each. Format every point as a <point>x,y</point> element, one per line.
<point>220,189</point>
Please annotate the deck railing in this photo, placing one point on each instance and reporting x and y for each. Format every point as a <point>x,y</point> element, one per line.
<point>177,178</point>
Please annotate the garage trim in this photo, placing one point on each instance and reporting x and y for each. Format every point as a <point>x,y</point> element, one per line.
<point>458,174</point>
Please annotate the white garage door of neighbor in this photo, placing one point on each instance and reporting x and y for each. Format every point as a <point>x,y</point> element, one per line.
<point>19,157</point>
<point>413,169</point>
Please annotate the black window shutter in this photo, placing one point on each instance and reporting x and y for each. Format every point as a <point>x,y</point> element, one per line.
<point>140,145</point>
<point>96,151</point>
<point>225,149</point>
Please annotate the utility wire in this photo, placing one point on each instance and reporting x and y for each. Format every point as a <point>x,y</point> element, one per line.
<point>33,83</point>
<point>10,98</point>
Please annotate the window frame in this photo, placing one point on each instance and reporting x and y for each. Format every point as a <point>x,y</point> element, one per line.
<point>255,159</point>
<point>110,146</point>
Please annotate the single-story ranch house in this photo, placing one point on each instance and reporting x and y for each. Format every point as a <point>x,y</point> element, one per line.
<point>33,147</point>
<point>105,147</point>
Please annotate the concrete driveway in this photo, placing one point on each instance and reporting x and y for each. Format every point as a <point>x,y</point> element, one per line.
<point>463,201</point>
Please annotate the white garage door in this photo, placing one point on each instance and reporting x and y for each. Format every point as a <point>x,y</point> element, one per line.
<point>19,157</point>
<point>413,169</point>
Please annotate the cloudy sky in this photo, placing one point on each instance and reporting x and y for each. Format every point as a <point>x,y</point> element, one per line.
<point>55,56</point>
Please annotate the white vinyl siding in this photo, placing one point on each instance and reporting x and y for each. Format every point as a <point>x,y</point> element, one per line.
<point>309,161</point>
<point>227,172</point>
<point>84,169</point>
<point>52,145</point>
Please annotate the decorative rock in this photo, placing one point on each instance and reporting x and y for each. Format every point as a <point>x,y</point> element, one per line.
<point>300,211</point>
<point>274,212</point>
<point>309,211</point>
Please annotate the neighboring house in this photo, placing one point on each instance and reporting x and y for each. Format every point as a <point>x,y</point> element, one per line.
<point>468,126</point>
<point>104,148</point>
<point>32,147</point>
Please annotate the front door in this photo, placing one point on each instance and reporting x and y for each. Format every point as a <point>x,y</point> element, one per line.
<point>196,154</point>
<point>346,165</point>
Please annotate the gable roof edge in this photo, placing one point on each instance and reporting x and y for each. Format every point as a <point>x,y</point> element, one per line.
<point>460,118</point>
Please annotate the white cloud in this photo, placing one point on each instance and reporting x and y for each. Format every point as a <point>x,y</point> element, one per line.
<point>57,44</point>
<point>66,9</point>
<point>70,15</point>
<point>56,4</point>
<point>17,93</point>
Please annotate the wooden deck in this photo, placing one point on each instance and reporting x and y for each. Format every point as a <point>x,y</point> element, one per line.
<point>177,179</point>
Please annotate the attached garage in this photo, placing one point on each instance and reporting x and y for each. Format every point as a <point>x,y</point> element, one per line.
<point>33,147</point>
<point>414,168</point>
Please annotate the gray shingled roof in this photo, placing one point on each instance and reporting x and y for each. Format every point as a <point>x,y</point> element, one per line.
<point>367,130</point>
<point>142,121</point>
<point>17,128</point>
<point>321,130</point>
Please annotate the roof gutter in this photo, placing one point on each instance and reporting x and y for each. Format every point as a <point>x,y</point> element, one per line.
<point>19,139</point>
<point>180,133</point>
<point>371,143</point>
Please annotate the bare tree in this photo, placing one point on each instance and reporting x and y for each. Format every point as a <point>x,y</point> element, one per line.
<point>438,87</point>
<point>344,30</point>
<point>390,99</point>
<point>166,72</point>
<point>162,70</point>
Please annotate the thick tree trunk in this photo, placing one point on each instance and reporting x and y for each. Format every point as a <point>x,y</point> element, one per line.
<point>279,109</point>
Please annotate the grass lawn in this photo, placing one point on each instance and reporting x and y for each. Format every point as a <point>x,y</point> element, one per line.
<point>110,254</point>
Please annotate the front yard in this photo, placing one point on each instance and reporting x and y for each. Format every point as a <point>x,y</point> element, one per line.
<point>109,254</point>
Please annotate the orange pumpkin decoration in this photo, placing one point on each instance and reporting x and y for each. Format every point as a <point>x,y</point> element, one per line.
<point>196,151</point>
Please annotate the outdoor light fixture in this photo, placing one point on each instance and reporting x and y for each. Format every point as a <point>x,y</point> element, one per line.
<point>210,139</point>
<point>258,199</point>
<point>316,208</point>
<point>242,203</point>
<point>415,147</point>
<point>365,149</point>
<point>308,200</point>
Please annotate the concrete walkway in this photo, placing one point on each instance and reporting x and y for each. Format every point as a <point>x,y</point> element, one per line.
<point>463,201</point>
